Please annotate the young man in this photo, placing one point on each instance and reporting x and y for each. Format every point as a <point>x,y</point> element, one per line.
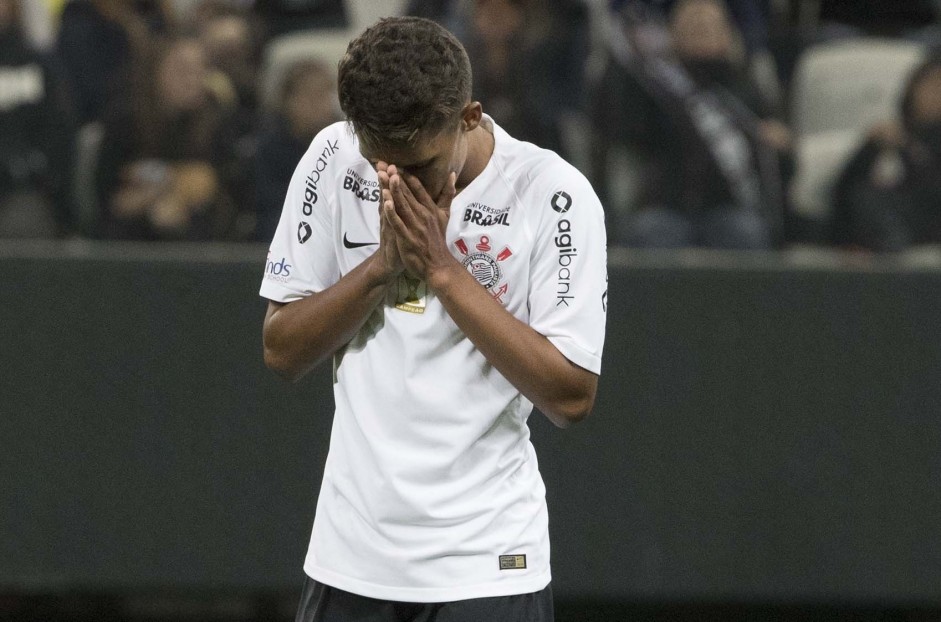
<point>457,277</point>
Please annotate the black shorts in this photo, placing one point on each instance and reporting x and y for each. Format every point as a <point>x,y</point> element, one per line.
<point>322,603</point>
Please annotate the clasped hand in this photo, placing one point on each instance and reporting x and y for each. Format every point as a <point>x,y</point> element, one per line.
<point>412,225</point>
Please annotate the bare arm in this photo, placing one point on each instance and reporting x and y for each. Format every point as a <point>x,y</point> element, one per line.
<point>563,391</point>
<point>301,334</point>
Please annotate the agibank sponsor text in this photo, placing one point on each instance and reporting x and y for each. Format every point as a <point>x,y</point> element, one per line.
<point>312,181</point>
<point>566,257</point>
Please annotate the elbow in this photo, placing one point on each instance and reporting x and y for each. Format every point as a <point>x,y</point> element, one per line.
<point>573,403</point>
<point>568,412</point>
<point>278,357</point>
<point>280,365</point>
<point>577,402</point>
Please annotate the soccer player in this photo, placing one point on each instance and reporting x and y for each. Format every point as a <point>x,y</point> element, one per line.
<point>457,277</point>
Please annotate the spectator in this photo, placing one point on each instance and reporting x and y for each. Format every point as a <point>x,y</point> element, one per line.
<point>710,143</point>
<point>164,152</point>
<point>189,12</point>
<point>448,13</point>
<point>229,39</point>
<point>754,22</point>
<point>284,16</point>
<point>231,49</point>
<point>528,58</point>
<point>889,196</point>
<point>708,47</point>
<point>98,41</point>
<point>438,10</point>
<point>307,103</point>
<point>37,136</point>
<point>752,17</point>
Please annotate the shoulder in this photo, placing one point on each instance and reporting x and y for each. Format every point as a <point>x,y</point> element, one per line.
<point>330,151</point>
<point>334,146</point>
<point>541,175</point>
<point>334,140</point>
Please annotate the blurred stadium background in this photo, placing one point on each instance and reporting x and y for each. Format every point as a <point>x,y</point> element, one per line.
<point>767,439</point>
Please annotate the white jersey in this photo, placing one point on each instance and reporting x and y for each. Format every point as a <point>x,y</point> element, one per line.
<point>431,490</point>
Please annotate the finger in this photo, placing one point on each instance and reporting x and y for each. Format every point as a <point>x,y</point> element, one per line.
<point>401,191</point>
<point>417,189</point>
<point>386,196</point>
<point>386,205</point>
<point>383,179</point>
<point>386,230</point>
<point>402,199</point>
<point>392,218</point>
<point>418,207</point>
<point>407,191</point>
<point>385,193</point>
<point>382,169</point>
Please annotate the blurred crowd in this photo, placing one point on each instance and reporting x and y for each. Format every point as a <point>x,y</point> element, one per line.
<point>742,124</point>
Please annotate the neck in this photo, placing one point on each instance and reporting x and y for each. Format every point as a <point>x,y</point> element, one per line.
<point>479,150</point>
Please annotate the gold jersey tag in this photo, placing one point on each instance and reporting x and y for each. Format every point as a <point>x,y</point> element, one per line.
<point>512,562</point>
<point>411,294</point>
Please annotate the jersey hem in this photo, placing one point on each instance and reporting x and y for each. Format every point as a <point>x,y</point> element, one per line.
<point>279,293</point>
<point>577,354</point>
<point>429,594</point>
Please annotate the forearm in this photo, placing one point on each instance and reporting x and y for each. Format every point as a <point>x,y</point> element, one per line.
<point>561,390</point>
<point>301,334</point>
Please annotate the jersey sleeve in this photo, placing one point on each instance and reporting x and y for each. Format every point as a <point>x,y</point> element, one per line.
<point>568,295</point>
<point>302,257</point>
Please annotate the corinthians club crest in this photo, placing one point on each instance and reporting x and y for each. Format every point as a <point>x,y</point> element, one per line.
<point>484,266</point>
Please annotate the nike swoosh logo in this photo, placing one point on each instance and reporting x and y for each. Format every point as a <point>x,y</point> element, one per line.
<point>348,244</point>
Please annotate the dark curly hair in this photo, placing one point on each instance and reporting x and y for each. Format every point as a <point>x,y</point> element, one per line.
<point>402,79</point>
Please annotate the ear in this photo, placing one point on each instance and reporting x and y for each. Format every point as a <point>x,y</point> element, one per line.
<point>470,116</point>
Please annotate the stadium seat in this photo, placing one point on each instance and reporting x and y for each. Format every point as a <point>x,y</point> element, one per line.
<point>328,46</point>
<point>820,160</point>
<point>364,14</point>
<point>851,84</point>
<point>840,90</point>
